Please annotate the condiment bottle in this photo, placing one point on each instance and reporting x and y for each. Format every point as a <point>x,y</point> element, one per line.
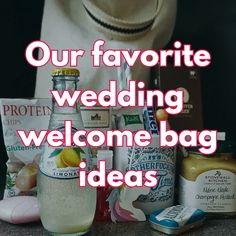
<point>209,182</point>
<point>102,210</point>
<point>65,208</point>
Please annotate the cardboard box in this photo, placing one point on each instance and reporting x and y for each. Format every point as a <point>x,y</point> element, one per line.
<point>187,79</point>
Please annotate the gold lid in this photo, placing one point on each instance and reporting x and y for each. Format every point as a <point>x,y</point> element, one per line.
<point>65,71</point>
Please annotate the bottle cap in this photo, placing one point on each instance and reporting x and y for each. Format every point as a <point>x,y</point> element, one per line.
<point>65,71</point>
<point>106,155</point>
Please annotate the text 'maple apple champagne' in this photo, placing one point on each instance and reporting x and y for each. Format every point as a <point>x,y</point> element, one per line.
<point>65,208</point>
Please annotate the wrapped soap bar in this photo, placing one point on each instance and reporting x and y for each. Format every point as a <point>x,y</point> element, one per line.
<point>176,219</point>
<point>19,209</point>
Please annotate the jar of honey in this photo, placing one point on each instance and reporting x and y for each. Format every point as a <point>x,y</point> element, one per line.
<point>209,182</point>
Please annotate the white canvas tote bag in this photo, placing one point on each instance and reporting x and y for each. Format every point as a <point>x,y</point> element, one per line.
<point>123,24</point>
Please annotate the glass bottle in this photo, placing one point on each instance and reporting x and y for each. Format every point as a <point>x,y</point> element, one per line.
<point>65,208</point>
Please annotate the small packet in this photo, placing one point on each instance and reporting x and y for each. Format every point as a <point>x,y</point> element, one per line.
<point>127,119</point>
<point>176,219</point>
<point>150,121</point>
<point>22,164</point>
<point>133,122</point>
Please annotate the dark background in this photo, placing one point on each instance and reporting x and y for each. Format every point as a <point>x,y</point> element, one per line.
<point>206,24</point>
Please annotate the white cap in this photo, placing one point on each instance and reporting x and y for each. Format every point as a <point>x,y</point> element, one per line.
<point>106,155</point>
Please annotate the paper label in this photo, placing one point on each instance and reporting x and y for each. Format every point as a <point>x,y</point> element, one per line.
<point>62,162</point>
<point>23,114</point>
<point>213,191</point>
<point>162,160</point>
<point>95,117</point>
<point>132,119</point>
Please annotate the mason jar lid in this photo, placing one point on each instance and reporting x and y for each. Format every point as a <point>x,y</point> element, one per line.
<point>222,147</point>
<point>65,71</point>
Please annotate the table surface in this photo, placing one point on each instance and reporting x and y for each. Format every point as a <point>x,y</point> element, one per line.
<point>224,227</point>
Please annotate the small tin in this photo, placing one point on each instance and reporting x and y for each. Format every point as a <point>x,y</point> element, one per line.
<point>176,219</point>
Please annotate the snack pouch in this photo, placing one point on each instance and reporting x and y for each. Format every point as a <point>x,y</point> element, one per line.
<point>22,164</point>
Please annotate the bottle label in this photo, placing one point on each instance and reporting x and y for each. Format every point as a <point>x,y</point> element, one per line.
<point>62,162</point>
<point>95,117</point>
<point>162,160</point>
<point>213,191</point>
